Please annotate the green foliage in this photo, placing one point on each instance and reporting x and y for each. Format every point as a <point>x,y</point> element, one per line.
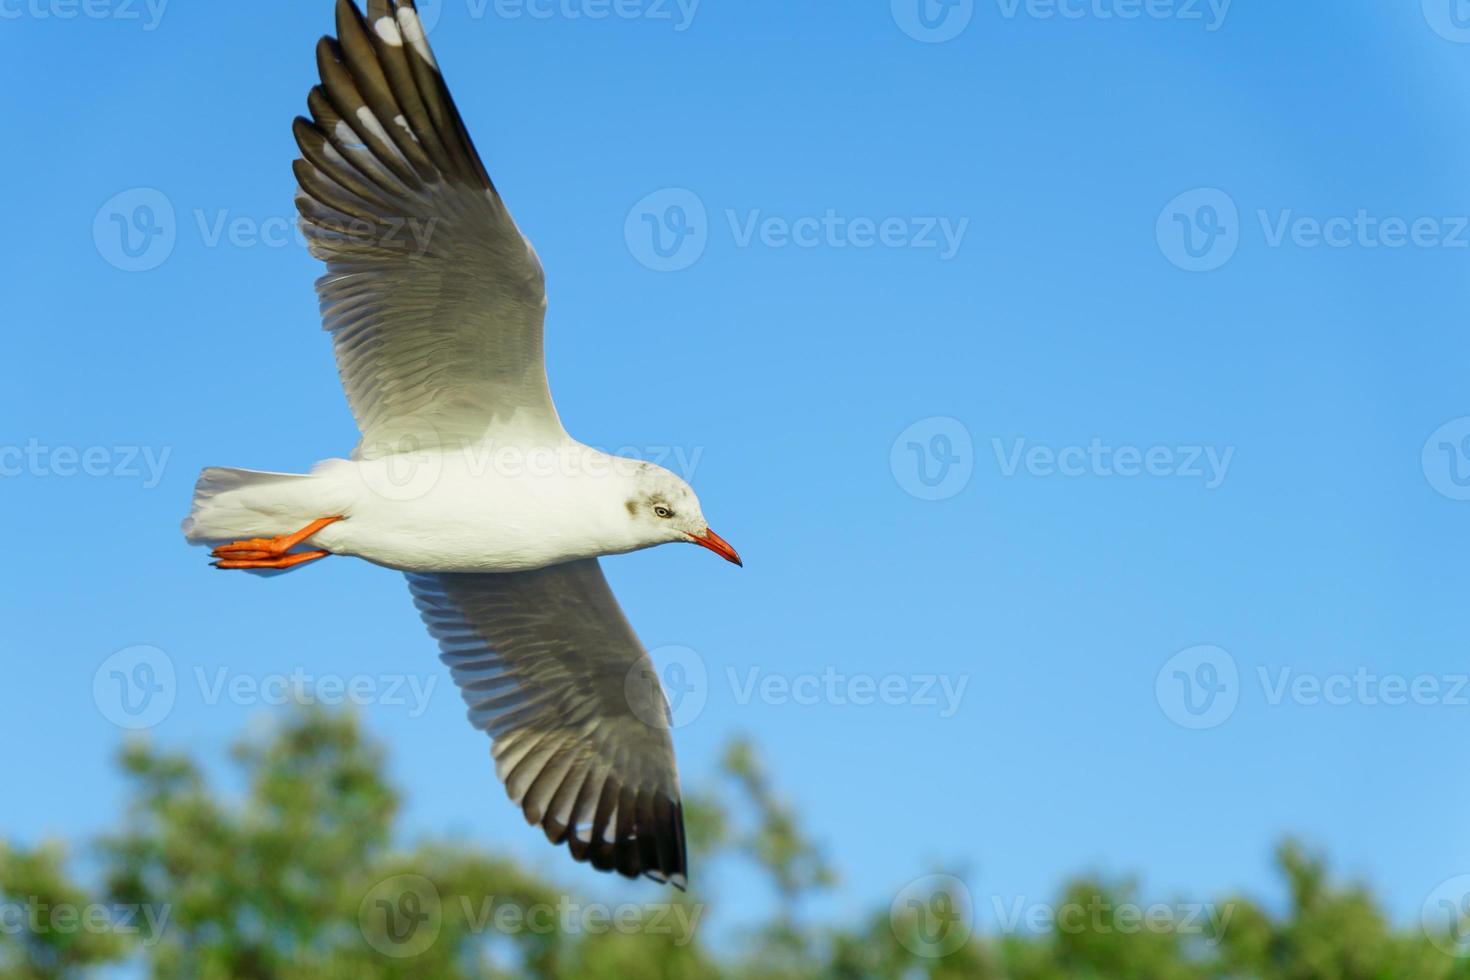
<point>49,926</point>
<point>303,878</point>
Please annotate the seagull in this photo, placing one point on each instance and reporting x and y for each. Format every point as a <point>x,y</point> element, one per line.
<point>464,478</point>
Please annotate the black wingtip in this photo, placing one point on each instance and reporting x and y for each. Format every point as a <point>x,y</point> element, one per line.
<point>652,848</point>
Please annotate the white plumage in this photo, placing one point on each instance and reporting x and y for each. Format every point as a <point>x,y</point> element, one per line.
<point>464,477</point>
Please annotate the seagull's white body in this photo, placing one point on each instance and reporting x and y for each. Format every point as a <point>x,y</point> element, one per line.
<point>482,508</point>
<point>465,478</point>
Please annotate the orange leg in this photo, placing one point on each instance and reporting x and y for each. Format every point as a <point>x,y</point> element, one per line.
<point>272,552</point>
<point>285,561</point>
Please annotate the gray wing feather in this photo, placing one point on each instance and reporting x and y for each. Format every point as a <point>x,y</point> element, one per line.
<point>434,300</point>
<point>553,672</point>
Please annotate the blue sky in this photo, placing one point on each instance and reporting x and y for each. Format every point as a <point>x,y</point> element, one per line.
<point>916,311</point>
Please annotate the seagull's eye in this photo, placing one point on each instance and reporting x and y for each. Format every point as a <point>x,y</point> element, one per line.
<point>663,512</point>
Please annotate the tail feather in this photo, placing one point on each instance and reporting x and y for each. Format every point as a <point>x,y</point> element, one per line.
<point>230,504</point>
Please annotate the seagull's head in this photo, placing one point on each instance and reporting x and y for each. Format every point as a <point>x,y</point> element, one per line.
<point>664,508</point>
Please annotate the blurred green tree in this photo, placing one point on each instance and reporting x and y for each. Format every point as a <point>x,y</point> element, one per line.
<point>47,928</point>
<point>302,879</point>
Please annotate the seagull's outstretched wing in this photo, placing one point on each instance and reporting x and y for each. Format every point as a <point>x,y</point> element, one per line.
<point>579,725</point>
<point>434,299</point>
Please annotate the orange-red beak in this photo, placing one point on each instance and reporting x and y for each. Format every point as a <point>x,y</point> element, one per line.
<point>718,545</point>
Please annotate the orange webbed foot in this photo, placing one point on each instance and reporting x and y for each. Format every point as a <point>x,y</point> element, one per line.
<point>284,561</point>
<point>267,553</point>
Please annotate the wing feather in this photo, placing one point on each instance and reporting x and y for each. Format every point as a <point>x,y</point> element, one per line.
<point>579,727</point>
<point>434,299</point>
